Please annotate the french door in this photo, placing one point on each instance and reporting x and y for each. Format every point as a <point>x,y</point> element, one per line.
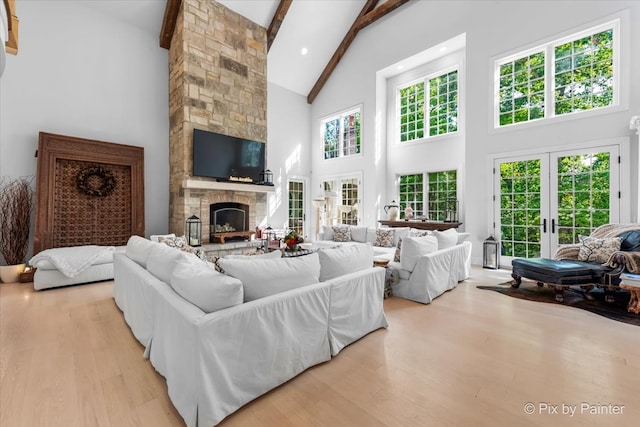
<point>297,205</point>
<point>549,199</point>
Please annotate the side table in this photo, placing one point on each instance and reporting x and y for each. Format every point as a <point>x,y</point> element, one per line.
<point>631,282</point>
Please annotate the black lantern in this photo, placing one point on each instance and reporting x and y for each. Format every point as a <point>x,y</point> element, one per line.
<point>491,253</point>
<point>451,210</point>
<point>270,239</point>
<point>266,177</point>
<point>193,231</point>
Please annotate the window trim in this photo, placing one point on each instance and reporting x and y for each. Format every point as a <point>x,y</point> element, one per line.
<point>425,79</point>
<point>425,188</point>
<point>617,22</point>
<point>339,115</point>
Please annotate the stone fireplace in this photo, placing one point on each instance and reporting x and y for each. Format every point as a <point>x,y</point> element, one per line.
<point>218,83</point>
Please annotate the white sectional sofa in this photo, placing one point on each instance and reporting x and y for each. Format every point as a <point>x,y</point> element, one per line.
<point>217,349</point>
<point>432,263</point>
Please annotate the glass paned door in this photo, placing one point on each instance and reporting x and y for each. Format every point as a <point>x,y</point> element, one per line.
<point>522,207</point>
<point>586,187</point>
<point>549,199</point>
<point>296,206</point>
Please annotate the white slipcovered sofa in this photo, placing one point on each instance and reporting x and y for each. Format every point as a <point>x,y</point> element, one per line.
<point>221,341</point>
<point>432,262</point>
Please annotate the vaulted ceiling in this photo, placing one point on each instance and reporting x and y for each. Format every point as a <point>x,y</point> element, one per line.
<point>324,28</point>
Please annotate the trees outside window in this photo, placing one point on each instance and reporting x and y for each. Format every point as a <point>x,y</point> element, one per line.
<point>581,76</point>
<point>431,104</point>
<point>342,134</point>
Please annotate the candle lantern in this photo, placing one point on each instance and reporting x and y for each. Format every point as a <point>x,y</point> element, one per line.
<point>451,210</point>
<point>193,231</point>
<point>491,253</point>
<point>266,177</point>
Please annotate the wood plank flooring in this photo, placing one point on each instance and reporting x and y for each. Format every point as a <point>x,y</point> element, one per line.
<point>472,357</point>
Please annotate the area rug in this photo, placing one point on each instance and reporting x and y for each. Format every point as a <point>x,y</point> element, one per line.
<point>573,297</point>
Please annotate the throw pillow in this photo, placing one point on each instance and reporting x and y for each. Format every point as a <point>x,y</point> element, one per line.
<point>414,232</point>
<point>162,260</point>
<point>384,237</point>
<point>327,232</point>
<point>344,260</point>
<point>398,233</point>
<point>138,249</point>
<point>181,244</point>
<point>415,247</point>
<point>598,250</point>
<point>204,287</point>
<point>341,234</point>
<point>156,237</point>
<point>264,277</point>
<point>462,237</point>
<point>447,238</point>
<point>358,233</point>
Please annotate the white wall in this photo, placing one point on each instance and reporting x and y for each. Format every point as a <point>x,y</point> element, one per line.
<point>492,28</point>
<point>82,73</point>
<point>287,149</point>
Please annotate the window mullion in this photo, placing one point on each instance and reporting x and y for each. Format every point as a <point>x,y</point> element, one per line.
<point>550,81</point>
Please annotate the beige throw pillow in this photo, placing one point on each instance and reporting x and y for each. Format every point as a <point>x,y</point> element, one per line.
<point>384,237</point>
<point>341,234</point>
<point>598,250</point>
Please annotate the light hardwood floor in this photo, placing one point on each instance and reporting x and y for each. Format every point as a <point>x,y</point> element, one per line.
<point>471,358</point>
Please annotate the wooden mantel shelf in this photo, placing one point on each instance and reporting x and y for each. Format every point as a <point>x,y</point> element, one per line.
<point>196,184</point>
<point>422,225</point>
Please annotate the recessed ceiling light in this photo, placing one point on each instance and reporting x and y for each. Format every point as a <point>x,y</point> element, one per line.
<point>443,48</point>
<point>400,67</point>
<point>304,51</point>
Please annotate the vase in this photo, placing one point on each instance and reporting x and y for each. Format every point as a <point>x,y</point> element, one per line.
<point>11,273</point>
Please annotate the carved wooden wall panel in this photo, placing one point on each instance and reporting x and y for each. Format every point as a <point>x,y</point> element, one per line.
<point>67,215</point>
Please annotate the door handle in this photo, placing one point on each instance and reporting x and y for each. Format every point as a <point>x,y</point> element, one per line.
<point>553,226</point>
<point>544,225</point>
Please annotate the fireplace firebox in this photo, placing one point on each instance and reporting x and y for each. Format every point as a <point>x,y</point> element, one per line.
<point>229,221</point>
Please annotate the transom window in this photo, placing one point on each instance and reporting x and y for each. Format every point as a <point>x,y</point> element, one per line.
<point>435,187</point>
<point>442,100</point>
<point>342,135</point>
<point>576,73</point>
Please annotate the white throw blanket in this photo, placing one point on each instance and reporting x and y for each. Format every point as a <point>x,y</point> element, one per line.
<point>73,260</point>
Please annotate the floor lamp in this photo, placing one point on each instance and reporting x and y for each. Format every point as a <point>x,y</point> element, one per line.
<point>318,203</point>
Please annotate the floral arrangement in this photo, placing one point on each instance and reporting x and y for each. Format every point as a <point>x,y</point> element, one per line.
<point>292,240</point>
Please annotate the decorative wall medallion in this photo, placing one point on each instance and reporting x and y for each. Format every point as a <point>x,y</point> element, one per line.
<point>96,181</point>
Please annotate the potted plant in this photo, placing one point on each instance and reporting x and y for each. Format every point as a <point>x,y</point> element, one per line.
<point>16,206</point>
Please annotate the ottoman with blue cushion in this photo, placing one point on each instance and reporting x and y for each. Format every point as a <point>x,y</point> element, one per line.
<point>564,273</point>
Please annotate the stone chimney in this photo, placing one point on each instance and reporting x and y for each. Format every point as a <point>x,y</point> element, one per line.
<point>218,83</point>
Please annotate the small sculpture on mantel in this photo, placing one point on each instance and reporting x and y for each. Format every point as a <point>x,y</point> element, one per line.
<point>391,211</point>
<point>408,213</point>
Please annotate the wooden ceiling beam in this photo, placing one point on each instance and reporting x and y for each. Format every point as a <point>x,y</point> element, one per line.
<point>169,22</point>
<point>281,12</point>
<point>380,11</point>
<point>339,53</point>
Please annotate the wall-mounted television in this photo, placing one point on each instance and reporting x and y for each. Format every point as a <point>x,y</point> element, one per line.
<point>227,158</point>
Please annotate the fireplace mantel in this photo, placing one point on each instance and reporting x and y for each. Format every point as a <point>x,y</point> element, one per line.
<point>195,184</point>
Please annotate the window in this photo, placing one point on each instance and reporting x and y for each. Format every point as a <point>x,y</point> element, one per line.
<point>522,89</point>
<point>442,101</point>
<point>411,194</point>
<point>341,134</point>
<point>442,186</point>
<point>564,76</point>
<point>342,205</point>
<point>296,206</point>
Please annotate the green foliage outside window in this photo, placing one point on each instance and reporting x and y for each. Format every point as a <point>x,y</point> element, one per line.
<point>412,112</point>
<point>443,104</point>
<point>522,89</point>
<point>584,73</point>
<point>412,194</point>
<point>442,186</point>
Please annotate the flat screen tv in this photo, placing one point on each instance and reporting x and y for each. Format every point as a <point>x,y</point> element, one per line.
<point>227,158</point>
